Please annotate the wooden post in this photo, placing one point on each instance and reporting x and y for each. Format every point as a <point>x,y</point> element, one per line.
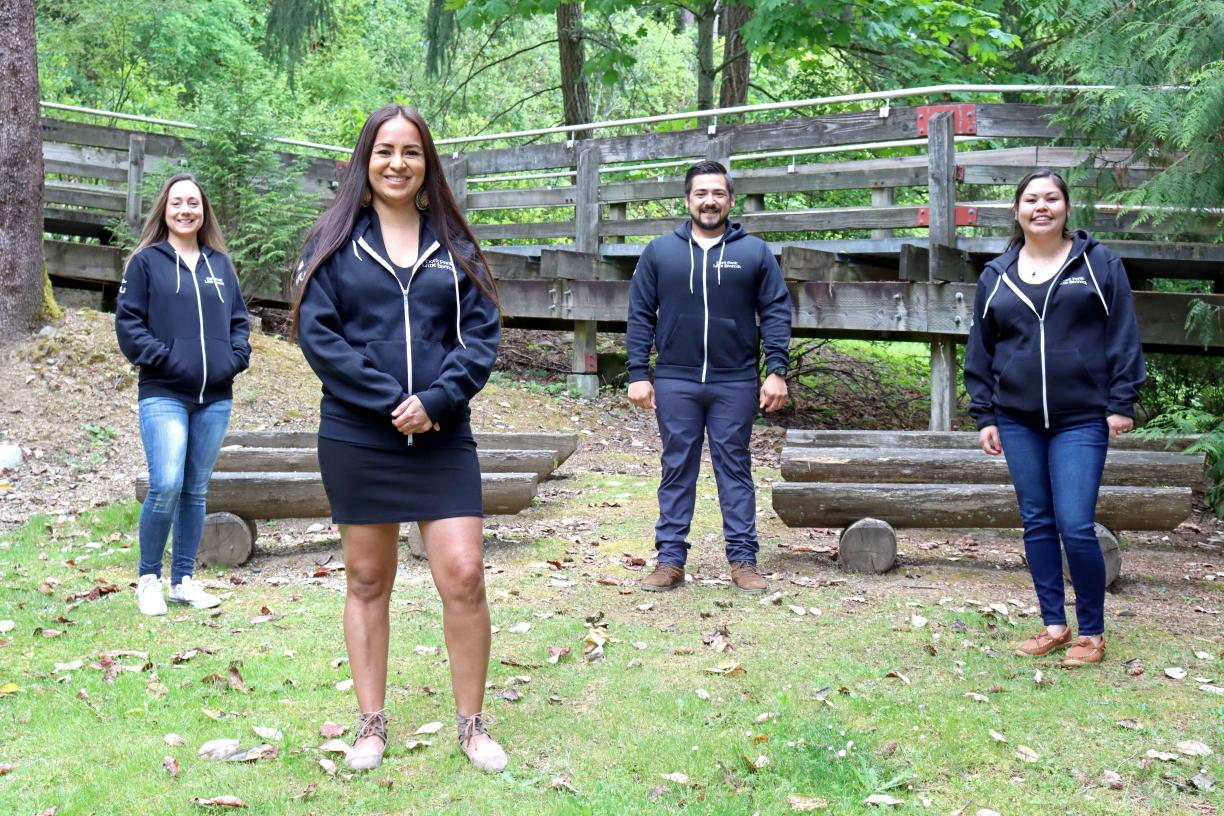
<point>618,212</point>
<point>455,170</point>
<point>583,380</point>
<point>135,179</point>
<point>882,197</point>
<point>941,183</point>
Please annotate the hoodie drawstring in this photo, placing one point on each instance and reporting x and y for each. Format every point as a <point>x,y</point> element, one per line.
<point>718,265</point>
<point>178,278</point>
<point>212,276</point>
<point>458,331</point>
<point>690,243</point>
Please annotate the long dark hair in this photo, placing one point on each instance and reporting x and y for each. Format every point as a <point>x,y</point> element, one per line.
<point>335,225</point>
<point>155,230</point>
<point>1017,236</point>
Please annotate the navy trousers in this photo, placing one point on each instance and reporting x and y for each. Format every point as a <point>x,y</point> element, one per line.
<point>687,412</point>
<point>1056,474</point>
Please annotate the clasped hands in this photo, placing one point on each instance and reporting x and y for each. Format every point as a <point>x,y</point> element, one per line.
<point>409,417</point>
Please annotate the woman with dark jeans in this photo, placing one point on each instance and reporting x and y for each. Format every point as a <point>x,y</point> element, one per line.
<point>182,320</point>
<point>1053,366</point>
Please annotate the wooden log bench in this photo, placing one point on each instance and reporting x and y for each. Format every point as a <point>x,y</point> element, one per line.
<point>871,482</point>
<point>275,474</point>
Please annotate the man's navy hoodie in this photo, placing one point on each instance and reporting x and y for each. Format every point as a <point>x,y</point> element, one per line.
<point>699,308</point>
<point>1074,357</point>
<point>373,341</point>
<point>187,328</point>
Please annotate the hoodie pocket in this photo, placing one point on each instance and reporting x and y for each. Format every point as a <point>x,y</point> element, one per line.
<point>1019,382</point>
<point>681,343</point>
<point>388,356</point>
<point>222,364</point>
<point>1071,384</point>
<point>728,346</point>
<point>185,363</point>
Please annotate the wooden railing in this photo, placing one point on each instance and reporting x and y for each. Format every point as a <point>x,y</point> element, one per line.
<point>564,222</point>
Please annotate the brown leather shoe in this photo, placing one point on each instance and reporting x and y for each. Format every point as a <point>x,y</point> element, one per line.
<point>1042,643</point>
<point>746,578</point>
<point>1084,651</point>
<point>664,577</point>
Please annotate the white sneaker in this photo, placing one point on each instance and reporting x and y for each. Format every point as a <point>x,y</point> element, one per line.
<point>189,592</point>
<point>149,595</point>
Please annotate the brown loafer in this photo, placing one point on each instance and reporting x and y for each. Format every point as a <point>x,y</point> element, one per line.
<point>664,577</point>
<point>1042,643</point>
<point>746,578</point>
<point>1084,651</point>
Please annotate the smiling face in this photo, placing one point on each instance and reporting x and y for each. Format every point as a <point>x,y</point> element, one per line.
<point>709,202</point>
<point>1041,210</point>
<point>184,210</point>
<point>397,163</point>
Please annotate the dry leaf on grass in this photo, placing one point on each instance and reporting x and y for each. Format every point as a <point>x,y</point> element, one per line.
<point>997,737</point>
<point>1163,756</point>
<point>1112,780</point>
<point>6,626</point>
<point>413,745</point>
<point>327,765</point>
<point>1027,754</point>
<point>727,668</point>
<point>9,688</point>
<point>677,777</point>
<point>174,740</point>
<point>555,653</point>
<point>1129,725</point>
<point>755,764</point>
<point>425,651</point>
<point>973,695</point>
<point>805,804</point>
<point>345,685</point>
<point>1207,687</point>
<point>171,765</point>
<point>334,746</point>
<point>217,749</point>
<point>881,800</point>
<point>520,628</point>
<point>1175,673</point>
<point>593,644</point>
<point>429,728</point>
<point>899,676</point>
<point>1134,667</point>
<point>307,791</point>
<point>267,733</point>
<point>702,694</point>
<point>219,801</point>
<point>264,751</point>
<point>331,729</point>
<point>1194,748</point>
<point>5,768</point>
<point>563,783</point>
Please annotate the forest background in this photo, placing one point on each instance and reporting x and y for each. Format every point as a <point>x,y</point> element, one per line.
<point>314,69</point>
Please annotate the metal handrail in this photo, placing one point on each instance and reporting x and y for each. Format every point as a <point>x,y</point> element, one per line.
<point>898,93</point>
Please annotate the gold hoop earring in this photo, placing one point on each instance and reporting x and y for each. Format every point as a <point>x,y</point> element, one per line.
<point>422,200</point>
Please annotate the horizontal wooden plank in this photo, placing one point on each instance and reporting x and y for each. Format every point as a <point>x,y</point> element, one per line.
<point>954,440</point>
<point>562,445</point>
<point>805,264</point>
<point>950,465</point>
<point>1017,120</point>
<point>113,138</point>
<point>538,229</point>
<point>971,506</point>
<point>84,262</point>
<point>785,221</point>
<point>84,162</point>
<point>522,198</point>
<point>90,196</point>
<point>239,458</point>
<point>301,495</point>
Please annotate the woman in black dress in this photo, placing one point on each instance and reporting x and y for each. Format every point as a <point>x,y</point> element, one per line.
<point>397,315</point>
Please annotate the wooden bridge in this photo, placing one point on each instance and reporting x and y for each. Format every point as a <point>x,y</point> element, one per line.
<point>564,222</point>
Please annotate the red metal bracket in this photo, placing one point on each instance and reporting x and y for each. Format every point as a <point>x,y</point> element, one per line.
<point>964,118</point>
<point>965,216</point>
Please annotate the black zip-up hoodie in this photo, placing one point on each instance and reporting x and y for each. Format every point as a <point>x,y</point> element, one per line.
<point>699,308</point>
<point>373,343</point>
<point>1074,357</point>
<point>186,328</point>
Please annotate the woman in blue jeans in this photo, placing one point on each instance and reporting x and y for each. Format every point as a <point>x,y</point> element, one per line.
<point>180,317</point>
<point>1053,367</point>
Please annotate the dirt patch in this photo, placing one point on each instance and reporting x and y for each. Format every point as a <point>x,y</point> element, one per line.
<point>70,403</point>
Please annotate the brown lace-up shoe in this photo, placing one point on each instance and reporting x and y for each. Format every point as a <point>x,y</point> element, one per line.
<point>746,578</point>
<point>1042,643</point>
<point>664,577</point>
<point>1084,651</point>
<point>369,743</point>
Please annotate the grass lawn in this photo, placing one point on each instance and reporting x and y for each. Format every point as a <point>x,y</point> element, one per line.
<point>892,693</point>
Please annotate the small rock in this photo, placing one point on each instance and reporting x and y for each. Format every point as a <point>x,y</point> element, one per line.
<point>10,456</point>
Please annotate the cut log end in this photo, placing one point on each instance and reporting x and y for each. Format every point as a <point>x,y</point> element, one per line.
<point>1110,551</point>
<point>226,540</point>
<point>868,545</point>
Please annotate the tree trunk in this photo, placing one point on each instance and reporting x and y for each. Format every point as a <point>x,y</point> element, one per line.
<point>706,19</point>
<point>21,175</point>
<point>574,92</point>
<point>736,59</point>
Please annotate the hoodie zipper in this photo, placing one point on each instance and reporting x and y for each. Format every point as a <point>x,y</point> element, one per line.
<point>1045,396</point>
<point>203,349</point>
<point>705,327</point>
<point>404,288</point>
